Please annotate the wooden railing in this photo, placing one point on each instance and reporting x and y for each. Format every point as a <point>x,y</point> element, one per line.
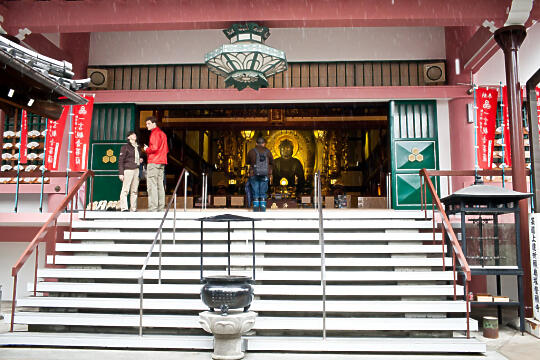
<point>447,230</point>
<point>305,74</point>
<point>51,223</point>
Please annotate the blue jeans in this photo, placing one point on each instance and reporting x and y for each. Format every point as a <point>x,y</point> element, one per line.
<point>259,186</point>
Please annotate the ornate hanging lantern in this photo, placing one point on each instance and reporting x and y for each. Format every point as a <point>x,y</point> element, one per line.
<point>246,61</point>
<point>247,134</point>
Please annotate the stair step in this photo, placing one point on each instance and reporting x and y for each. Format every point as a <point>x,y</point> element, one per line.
<point>261,275</point>
<point>386,345</point>
<point>260,248</point>
<point>352,214</point>
<point>262,323</point>
<point>260,235</point>
<point>247,261</point>
<point>340,306</point>
<point>288,293</point>
<point>254,343</point>
<point>267,224</point>
<point>260,289</point>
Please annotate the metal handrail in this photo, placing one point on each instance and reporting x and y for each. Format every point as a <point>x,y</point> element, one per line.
<point>457,251</point>
<point>204,192</point>
<point>41,235</point>
<point>159,234</point>
<point>321,242</point>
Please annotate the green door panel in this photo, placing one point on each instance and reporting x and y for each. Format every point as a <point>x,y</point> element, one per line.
<point>110,125</point>
<point>407,191</point>
<point>105,156</point>
<point>414,146</point>
<point>107,187</point>
<point>415,155</point>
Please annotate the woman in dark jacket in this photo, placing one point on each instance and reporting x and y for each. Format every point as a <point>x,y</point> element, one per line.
<point>128,172</point>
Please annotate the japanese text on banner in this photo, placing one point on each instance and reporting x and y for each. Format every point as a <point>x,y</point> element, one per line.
<point>506,129</point>
<point>538,107</point>
<point>486,116</point>
<point>80,137</point>
<point>23,149</point>
<point>55,133</point>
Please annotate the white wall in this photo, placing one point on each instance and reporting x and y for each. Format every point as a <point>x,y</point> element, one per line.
<point>9,253</point>
<point>28,203</point>
<point>312,44</point>
<point>445,158</point>
<point>493,71</point>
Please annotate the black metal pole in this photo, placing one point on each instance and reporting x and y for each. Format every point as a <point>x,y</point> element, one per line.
<point>201,250</point>
<point>229,247</point>
<point>510,38</point>
<point>481,238</point>
<point>253,237</point>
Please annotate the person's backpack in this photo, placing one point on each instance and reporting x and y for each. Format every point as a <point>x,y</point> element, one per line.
<point>261,164</point>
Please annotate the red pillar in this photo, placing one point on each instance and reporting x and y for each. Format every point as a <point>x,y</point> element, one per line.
<point>510,39</point>
<point>461,132</point>
<point>77,46</point>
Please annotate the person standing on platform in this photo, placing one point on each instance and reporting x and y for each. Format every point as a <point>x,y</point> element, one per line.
<point>157,159</point>
<point>260,161</point>
<point>128,172</point>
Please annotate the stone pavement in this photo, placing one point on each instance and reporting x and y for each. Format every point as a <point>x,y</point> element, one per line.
<point>509,346</point>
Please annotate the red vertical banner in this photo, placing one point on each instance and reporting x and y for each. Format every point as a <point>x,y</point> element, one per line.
<point>80,137</point>
<point>55,133</point>
<point>538,108</point>
<point>506,129</point>
<point>23,149</point>
<point>486,116</point>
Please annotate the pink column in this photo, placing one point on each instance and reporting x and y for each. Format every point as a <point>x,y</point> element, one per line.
<point>461,132</point>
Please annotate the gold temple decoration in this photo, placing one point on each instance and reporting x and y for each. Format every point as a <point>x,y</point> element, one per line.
<point>247,134</point>
<point>109,157</point>
<point>319,134</point>
<point>300,145</point>
<point>415,155</point>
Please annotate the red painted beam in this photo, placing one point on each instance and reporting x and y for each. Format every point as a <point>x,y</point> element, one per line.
<point>287,95</point>
<point>478,50</point>
<point>77,46</point>
<point>481,46</point>
<point>120,15</point>
<point>44,46</point>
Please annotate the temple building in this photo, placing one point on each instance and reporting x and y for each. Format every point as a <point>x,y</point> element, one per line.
<point>360,94</point>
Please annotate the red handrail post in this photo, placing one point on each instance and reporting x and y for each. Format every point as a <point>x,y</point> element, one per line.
<point>454,272</point>
<point>467,304</point>
<point>92,192</point>
<point>443,242</point>
<point>85,198</point>
<point>71,220</point>
<point>433,217</point>
<point>13,302</point>
<point>35,269</point>
<point>55,240</point>
<point>422,194</point>
<point>425,191</point>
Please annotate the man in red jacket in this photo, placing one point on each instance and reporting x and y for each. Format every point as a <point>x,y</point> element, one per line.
<point>157,159</point>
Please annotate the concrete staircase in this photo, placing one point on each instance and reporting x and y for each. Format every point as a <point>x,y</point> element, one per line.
<point>387,289</point>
